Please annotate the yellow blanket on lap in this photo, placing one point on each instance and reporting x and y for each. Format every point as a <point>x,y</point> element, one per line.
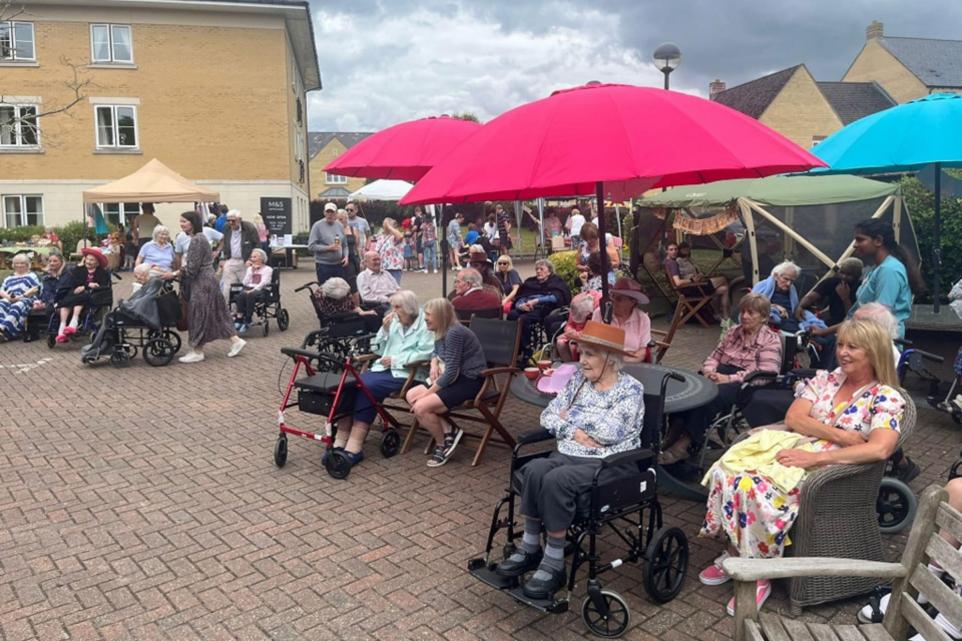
<point>757,454</point>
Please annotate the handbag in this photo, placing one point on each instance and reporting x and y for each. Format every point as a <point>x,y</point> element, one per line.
<point>182,319</point>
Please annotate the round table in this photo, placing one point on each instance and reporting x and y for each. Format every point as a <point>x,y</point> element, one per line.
<point>694,391</point>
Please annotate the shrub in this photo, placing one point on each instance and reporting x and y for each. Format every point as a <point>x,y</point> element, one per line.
<point>920,203</point>
<point>566,266</point>
<point>20,234</point>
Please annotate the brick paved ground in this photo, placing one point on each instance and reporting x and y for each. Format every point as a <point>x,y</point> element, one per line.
<point>143,504</point>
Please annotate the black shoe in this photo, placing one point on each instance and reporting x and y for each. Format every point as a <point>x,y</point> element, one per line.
<point>544,590</point>
<point>519,563</point>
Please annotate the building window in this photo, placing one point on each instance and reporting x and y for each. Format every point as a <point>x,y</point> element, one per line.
<point>22,210</point>
<point>16,41</point>
<point>334,179</point>
<point>18,126</point>
<point>111,43</point>
<point>116,127</point>
<point>300,111</point>
<point>302,171</point>
<point>118,213</point>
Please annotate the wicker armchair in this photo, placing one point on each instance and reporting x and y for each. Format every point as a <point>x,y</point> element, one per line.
<point>840,499</point>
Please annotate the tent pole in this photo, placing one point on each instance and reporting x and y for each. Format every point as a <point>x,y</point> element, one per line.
<point>605,300</point>
<point>815,251</point>
<point>937,238</point>
<point>752,238</point>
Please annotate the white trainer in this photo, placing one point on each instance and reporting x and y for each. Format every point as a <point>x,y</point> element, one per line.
<point>192,357</point>
<point>236,348</point>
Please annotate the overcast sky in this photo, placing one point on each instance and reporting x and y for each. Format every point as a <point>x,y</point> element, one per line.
<point>386,61</point>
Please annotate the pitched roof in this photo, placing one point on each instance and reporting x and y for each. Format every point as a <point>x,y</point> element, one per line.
<point>935,62</point>
<point>754,97</point>
<point>317,140</point>
<point>854,100</point>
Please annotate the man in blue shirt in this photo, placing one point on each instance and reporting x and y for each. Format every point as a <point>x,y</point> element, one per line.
<point>221,221</point>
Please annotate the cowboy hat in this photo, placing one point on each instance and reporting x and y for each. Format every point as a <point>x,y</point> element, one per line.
<point>631,288</point>
<point>600,335</point>
<point>96,253</point>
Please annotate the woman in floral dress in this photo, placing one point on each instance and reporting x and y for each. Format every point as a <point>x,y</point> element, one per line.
<point>850,415</point>
<point>389,244</point>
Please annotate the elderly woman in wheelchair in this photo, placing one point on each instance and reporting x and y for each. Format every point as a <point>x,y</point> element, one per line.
<point>747,347</point>
<point>402,339</point>
<point>599,413</point>
<point>851,415</point>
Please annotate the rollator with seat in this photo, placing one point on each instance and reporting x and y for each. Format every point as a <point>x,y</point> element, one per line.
<point>628,507</point>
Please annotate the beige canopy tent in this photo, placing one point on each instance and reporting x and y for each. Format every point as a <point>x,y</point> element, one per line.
<point>155,182</point>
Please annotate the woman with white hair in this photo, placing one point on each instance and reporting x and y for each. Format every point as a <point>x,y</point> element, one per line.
<point>158,253</point>
<point>256,280</point>
<point>17,294</point>
<point>779,288</point>
<point>402,339</point>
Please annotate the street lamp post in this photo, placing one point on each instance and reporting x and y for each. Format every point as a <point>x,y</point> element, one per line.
<point>666,58</point>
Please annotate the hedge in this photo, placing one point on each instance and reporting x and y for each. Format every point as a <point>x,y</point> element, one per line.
<point>920,203</point>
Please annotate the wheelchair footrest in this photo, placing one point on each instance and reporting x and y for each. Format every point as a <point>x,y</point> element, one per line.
<point>511,585</point>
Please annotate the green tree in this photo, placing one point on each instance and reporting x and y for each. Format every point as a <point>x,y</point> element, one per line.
<point>467,115</point>
<point>920,203</point>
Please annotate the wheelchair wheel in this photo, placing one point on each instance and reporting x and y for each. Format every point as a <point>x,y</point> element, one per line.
<point>119,357</point>
<point>280,450</point>
<point>283,319</point>
<point>158,352</point>
<point>338,466</point>
<point>390,443</point>
<point>611,625</point>
<point>666,564</point>
<point>173,338</point>
<point>895,506</point>
<point>51,340</point>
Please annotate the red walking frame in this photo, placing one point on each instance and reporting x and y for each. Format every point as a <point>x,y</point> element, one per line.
<point>319,394</point>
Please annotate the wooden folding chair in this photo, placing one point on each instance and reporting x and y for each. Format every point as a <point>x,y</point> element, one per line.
<point>501,341</point>
<point>691,299</point>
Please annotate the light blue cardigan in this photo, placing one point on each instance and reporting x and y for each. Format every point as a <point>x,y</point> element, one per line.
<point>417,344</point>
<point>767,288</point>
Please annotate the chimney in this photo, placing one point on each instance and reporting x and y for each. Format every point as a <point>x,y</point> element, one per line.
<point>715,87</point>
<point>874,30</point>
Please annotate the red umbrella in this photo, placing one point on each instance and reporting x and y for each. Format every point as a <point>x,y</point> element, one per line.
<point>612,141</point>
<point>405,151</point>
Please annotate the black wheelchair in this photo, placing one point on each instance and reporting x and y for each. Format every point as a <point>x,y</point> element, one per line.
<point>628,506</point>
<point>267,305</point>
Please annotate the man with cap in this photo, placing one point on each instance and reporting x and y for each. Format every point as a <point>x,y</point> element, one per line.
<point>328,243</point>
<point>478,259</point>
<point>240,239</point>
<point>599,413</point>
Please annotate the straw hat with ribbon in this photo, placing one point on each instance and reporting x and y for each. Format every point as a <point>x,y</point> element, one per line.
<point>602,336</point>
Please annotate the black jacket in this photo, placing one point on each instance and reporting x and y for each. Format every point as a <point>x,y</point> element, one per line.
<point>553,284</point>
<point>78,278</point>
<point>249,240</point>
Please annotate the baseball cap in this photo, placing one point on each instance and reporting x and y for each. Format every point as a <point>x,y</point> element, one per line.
<point>330,207</point>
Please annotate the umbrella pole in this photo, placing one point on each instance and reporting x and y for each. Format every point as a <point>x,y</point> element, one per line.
<point>443,244</point>
<point>603,245</point>
<point>937,244</point>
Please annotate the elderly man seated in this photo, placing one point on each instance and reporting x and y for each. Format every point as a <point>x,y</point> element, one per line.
<point>470,295</point>
<point>374,285</point>
<point>599,413</point>
<point>745,348</point>
<point>402,339</point>
<point>779,288</point>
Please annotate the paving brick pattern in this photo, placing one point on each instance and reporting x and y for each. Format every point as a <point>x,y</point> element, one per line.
<point>143,503</point>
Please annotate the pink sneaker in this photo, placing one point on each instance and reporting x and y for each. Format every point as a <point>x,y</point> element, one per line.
<point>61,338</point>
<point>69,331</point>
<point>763,590</point>
<point>714,574</point>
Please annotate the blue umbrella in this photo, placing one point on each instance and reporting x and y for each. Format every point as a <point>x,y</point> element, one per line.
<point>907,137</point>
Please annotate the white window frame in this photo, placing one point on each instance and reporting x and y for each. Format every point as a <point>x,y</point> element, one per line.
<point>121,213</point>
<point>116,146</point>
<point>334,179</point>
<point>18,125</point>
<point>112,59</point>
<point>23,209</point>
<point>12,24</point>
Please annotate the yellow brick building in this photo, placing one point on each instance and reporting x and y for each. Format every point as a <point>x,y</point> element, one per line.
<point>323,147</point>
<point>887,71</point>
<point>214,89</point>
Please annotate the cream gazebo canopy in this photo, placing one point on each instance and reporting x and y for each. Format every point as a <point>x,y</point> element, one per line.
<point>155,182</point>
